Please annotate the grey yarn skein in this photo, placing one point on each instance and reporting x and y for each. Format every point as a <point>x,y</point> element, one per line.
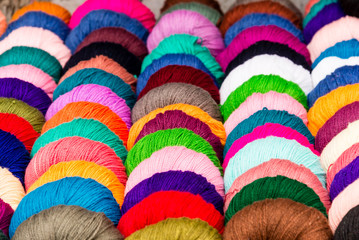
<point>173,93</point>
<point>67,222</point>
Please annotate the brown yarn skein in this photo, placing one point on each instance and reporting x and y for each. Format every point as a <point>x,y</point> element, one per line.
<point>211,3</point>
<point>269,7</point>
<point>173,93</point>
<point>67,222</point>
<point>278,219</point>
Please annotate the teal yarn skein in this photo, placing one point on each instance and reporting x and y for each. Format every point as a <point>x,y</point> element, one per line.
<point>32,56</point>
<point>86,193</point>
<point>185,44</point>
<point>99,77</point>
<point>263,150</point>
<point>85,128</point>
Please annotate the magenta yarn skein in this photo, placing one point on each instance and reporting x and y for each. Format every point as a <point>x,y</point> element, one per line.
<point>187,22</point>
<point>96,94</point>
<point>6,213</point>
<point>253,35</point>
<point>267,130</point>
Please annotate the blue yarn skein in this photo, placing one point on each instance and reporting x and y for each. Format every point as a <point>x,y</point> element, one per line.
<point>99,77</point>
<point>262,117</point>
<point>86,193</point>
<point>40,20</point>
<point>261,19</point>
<point>263,150</point>
<point>14,155</point>
<point>170,59</point>
<point>340,77</point>
<point>104,18</point>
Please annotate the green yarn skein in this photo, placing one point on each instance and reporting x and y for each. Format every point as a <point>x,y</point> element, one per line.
<point>153,142</point>
<point>186,44</point>
<point>273,188</point>
<point>262,84</point>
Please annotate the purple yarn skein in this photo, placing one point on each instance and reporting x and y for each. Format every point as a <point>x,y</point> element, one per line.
<point>6,213</point>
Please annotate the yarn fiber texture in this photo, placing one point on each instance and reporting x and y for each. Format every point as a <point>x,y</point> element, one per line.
<point>189,45</point>
<point>177,229</point>
<point>134,9</point>
<point>174,181</point>
<point>99,77</point>
<point>216,127</point>
<point>86,193</point>
<point>178,119</point>
<point>25,92</point>
<point>191,206</point>
<point>278,219</point>
<point>103,18</point>
<point>273,188</point>
<point>326,106</point>
<point>278,167</point>
<point>117,35</point>
<point>67,149</point>
<point>336,124</point>
<point>11,189</point>
<point>35,37</point>
<point>170,137</point>
<point>83,169</point>
<point>176,158</point>
<point>96,94</point>
<point>82,128</point>
<point>261,33</point>
<point>261,84</point>
<point>347,227</point>
<point>111,50</point>
<point>271,100</point>
<point>211,3</point>
<point>184,74</point>
<point>196,25</point>
<point>6,213</point>
<point>46,7</point>
<point>40,20</point>
<point>315,9</point>
<point>263,150</point>
<point>172,93</point>
<point>67,222</point>
<point>32,56</point>
<point>3,23</point>
<point>23,110</point>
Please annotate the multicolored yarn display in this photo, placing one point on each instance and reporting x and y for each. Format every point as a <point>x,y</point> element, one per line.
<point>271,168</point>
<point>332,116</point>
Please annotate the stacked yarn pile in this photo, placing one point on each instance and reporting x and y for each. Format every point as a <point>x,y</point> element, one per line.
<point>175,187</point>
<point>334,105</point>
<point>274,183</point>
<point>76,179</point>
<point>32,53</point>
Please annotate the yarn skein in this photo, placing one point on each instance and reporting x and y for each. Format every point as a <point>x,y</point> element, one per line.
<point>11,189</point>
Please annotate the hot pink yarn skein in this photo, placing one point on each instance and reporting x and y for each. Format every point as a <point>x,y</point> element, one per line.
<point>252,35</point>
<point>272,101</point>
<point>31,74</point>
<point>267,130</point>
<point>132,8</point>
<point>72,149</point>
<point>176,159</point>
<point>96,94</point>
<point>280,167</point>
<point>194,24</point>
<point>37,38</point>
<point>343,29</point>
<point>346,200</point>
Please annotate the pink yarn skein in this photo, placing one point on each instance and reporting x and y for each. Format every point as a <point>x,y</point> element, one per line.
<point>267,130</point>
<point>37,38</point>
<point>72,149</point>
<point>132,8</point>
<point>255,34</point>
<point>176,159</point>
<point>272,101</point>
<point>345,28</point>
<point>194,24</point>
<point>96,94</point>
<point>274,168</point>
<point>31,74</point>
